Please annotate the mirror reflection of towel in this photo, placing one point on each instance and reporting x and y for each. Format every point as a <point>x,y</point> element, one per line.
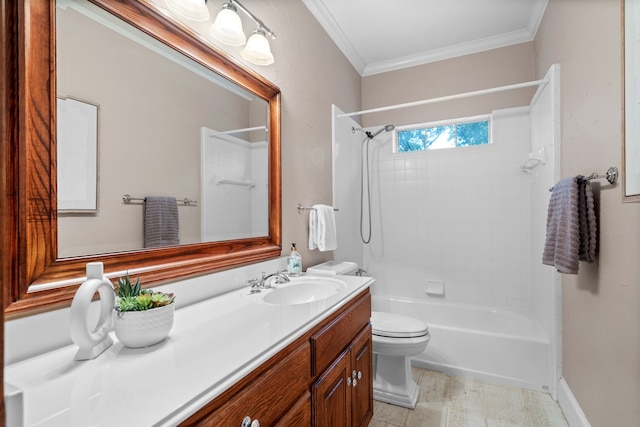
<point>161,222</point>
<point>322,228</point>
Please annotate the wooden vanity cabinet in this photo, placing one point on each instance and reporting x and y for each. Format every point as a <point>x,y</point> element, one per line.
<point>362,365</point>
<point>310,382</point>
<point>343,395</point>
<point>299,415</point>
<point>276,391</point>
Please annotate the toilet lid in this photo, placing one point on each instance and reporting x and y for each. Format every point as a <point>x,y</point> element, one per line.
<point>397,326</point>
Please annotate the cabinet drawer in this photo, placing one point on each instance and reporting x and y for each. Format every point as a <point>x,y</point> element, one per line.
<point>330,341</point>
<point>269,396</point>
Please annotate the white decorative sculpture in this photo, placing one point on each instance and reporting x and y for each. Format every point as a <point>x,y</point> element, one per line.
<point>92,344</point>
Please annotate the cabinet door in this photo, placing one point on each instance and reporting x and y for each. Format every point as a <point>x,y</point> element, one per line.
<point>331,395</point>
<point>362,375</point>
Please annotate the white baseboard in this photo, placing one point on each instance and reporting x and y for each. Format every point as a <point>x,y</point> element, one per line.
<point>570,407</point>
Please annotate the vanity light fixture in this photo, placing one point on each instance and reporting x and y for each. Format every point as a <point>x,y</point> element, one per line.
<point>193,10</point>
<point>257,50</point>
<point>227,29</point>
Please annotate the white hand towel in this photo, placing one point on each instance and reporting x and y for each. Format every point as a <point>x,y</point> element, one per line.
<point>313,229</point>
<point>322,228</point>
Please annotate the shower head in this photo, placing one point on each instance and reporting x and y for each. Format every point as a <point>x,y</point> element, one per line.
<point>387,128</point>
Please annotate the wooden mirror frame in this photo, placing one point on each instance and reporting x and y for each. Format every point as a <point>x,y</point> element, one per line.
<point>28,202</point>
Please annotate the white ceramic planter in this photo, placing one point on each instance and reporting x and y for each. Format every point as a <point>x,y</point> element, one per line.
<point>144,328</point>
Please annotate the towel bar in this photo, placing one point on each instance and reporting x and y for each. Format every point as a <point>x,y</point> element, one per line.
<point>302,209</point>
<point>128,199</point>
<point>611,175</point>
<point>248,184</point>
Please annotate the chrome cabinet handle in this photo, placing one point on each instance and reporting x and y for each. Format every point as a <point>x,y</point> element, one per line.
<point>355,382</point>
<point>255,423</point>
<point>359,374</point>
<point>349,381</point>
<point>354,374</point>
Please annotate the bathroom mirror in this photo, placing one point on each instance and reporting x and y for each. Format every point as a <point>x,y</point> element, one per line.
<point>631,101</point>
<point>37,278</point>
<point>159,115</point>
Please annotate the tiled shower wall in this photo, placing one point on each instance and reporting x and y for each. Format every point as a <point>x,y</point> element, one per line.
<point>461,216</point>
<point>232,158</point>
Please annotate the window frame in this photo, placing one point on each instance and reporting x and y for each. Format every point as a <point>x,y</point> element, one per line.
<point>440,123</point>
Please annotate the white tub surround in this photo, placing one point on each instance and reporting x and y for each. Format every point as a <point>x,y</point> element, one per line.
<point>463,225</point>
<point>212,345</point>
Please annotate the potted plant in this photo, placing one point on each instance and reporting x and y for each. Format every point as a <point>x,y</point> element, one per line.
<point>143,317</point>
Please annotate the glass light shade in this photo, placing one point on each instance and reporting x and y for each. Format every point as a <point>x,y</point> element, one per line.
<point>193,10</point>
<point>257,50</point>
<point>227,28</point>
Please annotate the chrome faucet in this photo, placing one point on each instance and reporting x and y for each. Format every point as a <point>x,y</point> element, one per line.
<point>279,276</point>
<point>258,284</point>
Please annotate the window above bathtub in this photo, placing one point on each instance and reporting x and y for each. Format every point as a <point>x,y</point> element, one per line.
<point>462,132</point>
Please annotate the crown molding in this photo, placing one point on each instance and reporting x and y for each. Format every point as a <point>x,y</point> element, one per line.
<point>322,15</point>
<point>449,52</point>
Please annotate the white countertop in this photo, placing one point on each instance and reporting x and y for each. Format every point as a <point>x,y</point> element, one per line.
<point>212,345</point>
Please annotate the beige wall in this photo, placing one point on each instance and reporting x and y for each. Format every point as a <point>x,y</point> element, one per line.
<point>498,67</point>
<point>601,305</point>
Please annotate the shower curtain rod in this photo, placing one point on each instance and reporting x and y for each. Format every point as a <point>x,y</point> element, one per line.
<point>447,98</point>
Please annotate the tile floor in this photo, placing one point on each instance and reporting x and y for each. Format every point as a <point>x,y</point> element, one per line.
<point>447,401</point>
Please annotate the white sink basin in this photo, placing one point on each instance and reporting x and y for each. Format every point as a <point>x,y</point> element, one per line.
<point>305,290</point>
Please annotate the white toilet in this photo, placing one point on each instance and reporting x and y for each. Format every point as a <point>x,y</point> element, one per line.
<point>395,339</point>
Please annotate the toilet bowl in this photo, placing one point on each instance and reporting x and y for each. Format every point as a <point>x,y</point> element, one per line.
<point>395,339</point>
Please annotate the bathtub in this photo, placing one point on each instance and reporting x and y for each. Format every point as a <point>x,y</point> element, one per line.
<point>498,345</point>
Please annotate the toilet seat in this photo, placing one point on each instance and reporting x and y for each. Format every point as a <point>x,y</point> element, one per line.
<point>393,325</point>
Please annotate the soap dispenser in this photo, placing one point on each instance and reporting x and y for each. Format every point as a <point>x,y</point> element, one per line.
<point>294,262</point>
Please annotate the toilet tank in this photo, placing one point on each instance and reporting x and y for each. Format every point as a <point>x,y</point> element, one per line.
<point>334,267</point>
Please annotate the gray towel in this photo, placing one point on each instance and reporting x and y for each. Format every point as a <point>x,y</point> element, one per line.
<point>160,222</point>
<point>571,226</point>
<point>587,222</point>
